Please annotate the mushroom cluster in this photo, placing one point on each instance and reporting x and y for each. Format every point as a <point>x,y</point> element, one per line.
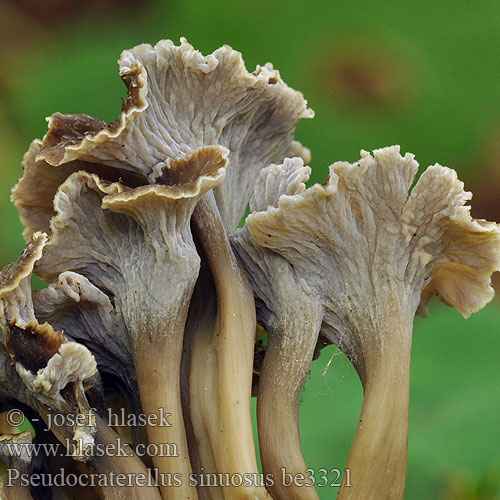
<point>154,295</point>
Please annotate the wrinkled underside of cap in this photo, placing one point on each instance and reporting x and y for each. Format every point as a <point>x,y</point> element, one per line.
<point>100,227</point>
<point>44,359</point>
<point>87,315</point>
<point>72,362</point>
<point>180,100</point>
<point>74,305</point>
<point>34,194</point>
<point>135,245</point>
<point>368,248</point>
<point>274,282</point>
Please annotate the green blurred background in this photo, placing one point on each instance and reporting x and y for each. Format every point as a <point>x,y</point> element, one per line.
<point>424,75</point>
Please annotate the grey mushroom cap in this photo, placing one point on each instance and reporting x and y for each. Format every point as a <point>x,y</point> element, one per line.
<point>179,101</point>
<point>133,244</point>
<point>277,287</point>
<point>368,248</point>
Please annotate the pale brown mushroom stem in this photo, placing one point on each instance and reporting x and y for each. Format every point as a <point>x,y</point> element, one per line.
<point>378,457</point>
<point>112,462</point>
<point>131,465</point>
<point>157,359</point>
<point>201,405</point>
<point>283,376</point>
<point>234,340</point>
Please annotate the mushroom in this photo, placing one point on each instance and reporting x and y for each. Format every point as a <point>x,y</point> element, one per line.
<point>292,314</point>
<point>86,314</point>
<point>50,374</point>
<point>373,254</point>
<point>136,246</point>
<point>15,486</point>
<point>33,195</point>
<point>119,459</point>
<point>72,303</point>
<point>179,101</point>
<point>45,361</point>
<point>200,399</point>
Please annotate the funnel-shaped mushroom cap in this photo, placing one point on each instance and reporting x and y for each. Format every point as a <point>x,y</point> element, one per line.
<point>179,101</point>
<point>369,249</point>
<point>75,304</point>
<point>133,244</point>
<point>368,253</point>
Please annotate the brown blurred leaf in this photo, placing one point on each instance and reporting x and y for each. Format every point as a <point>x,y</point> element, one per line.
<point>361,74</point>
